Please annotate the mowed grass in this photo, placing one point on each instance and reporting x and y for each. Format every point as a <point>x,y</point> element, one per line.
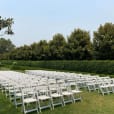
<point>92,103</point>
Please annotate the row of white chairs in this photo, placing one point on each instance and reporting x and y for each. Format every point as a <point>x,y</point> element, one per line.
<point>28,89</point>
<point>46,89</point>
<point>104,85</point>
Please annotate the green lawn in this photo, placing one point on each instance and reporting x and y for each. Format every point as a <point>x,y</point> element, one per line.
<point>93,103</point>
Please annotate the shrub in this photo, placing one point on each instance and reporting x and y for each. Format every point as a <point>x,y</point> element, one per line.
<point>99,67</point>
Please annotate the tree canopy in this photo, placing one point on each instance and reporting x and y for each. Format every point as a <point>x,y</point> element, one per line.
<point>77,46</point>
<point>103,42</point>
<point>56,46</point>
<point>7,24</point>
<point>6,45</point>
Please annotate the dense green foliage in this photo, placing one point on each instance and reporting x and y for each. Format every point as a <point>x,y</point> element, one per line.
<point>98,67</point>
<point>103,42</point>
<point>57,47</point>
<point>5,45</point>
<point>77,46</point>
<point>6,23</point>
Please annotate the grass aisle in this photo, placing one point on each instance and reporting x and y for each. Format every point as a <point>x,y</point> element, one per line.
<point>93,103</point>
<point>6,107</point>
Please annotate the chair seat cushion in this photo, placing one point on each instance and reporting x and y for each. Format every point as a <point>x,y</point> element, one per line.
<point>76,91</point>
<point>67,93</point>
<point>30,100</point>
<point>19,94</point>
<point>43,97</point>
<point>56,95</point>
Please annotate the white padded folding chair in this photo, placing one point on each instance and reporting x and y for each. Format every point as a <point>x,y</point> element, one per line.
<point>91,86</point>
<point>18,95</point>
<point>29,102</point>
<point>43,97</point>
<point>55,93</point>
<point>72,87</point>
<point>103,89</point>
<point>67,95</point>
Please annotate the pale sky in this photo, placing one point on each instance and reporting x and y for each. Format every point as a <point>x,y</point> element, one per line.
<point>36,20</point>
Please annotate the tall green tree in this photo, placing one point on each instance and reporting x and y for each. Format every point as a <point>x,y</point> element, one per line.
<point>21,53</point>
<point>79,45</point>
<point>6,45</point>
<point>7,24</point>
<point>40,50</point>
<point>103,42</point>
<point>57,46</point>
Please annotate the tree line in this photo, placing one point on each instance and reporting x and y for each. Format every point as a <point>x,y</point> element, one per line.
<point>77,46</point>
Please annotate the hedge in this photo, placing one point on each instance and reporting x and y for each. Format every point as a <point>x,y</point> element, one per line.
<point>98,67</point>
